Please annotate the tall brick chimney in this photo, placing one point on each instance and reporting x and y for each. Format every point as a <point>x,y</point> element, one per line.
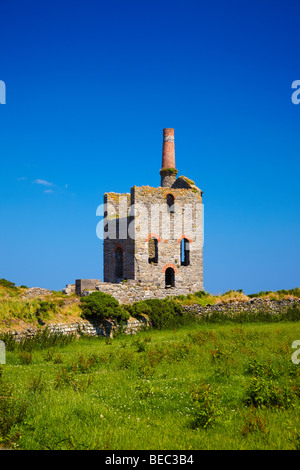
<point>168,171</point>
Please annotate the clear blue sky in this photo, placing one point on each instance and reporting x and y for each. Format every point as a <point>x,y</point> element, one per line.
<point>90,86</point>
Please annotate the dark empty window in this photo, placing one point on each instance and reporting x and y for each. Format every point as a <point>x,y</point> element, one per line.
<point>169,278</point>
<point>185,252</point>
<point>119,263</point>
<point>170,203</point>
<point>153,250</point>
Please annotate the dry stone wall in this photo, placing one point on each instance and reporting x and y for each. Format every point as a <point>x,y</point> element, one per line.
<point>105,328</point>
<point>253,306</point>
<point>129,292</point>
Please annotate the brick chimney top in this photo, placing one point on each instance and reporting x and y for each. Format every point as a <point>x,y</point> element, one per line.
<point>168,170</point>
<point>168,153</point>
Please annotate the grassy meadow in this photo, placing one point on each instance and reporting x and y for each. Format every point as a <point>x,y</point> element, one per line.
<point>203,386</point>
<point>196,384</point>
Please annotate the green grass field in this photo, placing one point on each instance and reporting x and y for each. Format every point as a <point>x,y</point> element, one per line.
<point>204,386</point>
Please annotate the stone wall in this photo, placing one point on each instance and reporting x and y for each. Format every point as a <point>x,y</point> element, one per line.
<point>82,285</point>
<point>116,227</point>
<point>169,228</point>
<point>131,220</point>
<point>130,291</point>
<point>253,306</point>
<point>87,327</point>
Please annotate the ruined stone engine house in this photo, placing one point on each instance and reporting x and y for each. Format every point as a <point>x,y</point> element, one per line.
<point>153,237</point>
<point>166,262</point>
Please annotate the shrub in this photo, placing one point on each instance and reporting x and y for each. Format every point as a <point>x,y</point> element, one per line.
<point>293,314</point>
<point>205,405</point>
<point>9,341</point>
<point>201,294</point>
<point>138,308</point>
<point>102,306</point>
<point>9,284</point>
<point>85,364</point>
<point>44,308</point>
<point>163,314</point>
<point>267,393</point>
<point>261,369</point>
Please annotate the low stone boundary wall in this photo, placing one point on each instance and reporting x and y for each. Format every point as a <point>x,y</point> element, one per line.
<point>254,305</point>
<point>133,325</point>
<point>127,293</point>
<point>86,327</point>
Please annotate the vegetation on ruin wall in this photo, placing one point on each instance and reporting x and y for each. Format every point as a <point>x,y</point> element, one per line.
<point>205,298</point>
<point>169,170</point>
<point>204,386</point>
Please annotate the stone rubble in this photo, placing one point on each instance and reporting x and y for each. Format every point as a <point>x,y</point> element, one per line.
<point>33,292</point>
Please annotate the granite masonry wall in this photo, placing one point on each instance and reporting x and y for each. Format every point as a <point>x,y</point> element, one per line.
<point>169,226</point>
<point>254,305</point>
<point>85,327</point>
<point>150,217</point>
<point>130,291</point>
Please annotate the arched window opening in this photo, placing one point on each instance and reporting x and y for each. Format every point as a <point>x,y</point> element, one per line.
<point>153,250</point>
<point>169,278</point>
<point>119,263</point>
<point>185,252</point>
<point>170,203</point>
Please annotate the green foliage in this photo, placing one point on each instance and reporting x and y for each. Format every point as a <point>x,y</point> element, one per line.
<point>200,294</point>
<point>145,389</point>
<point>294,292</point>
<point>264,392</point>
<point>37,384</point>
<point>102,306</point>
<point>261,369</point>
<point>138,308</point>
<point>41,340</point>
<point>43,310</point>
<point>85,364</point>
<point>25,357</point>
<point>121,394</point>
<point>163,314</point>
<point>205,405</point>
<point>12,412</point>
<point>8,284</point>
<point>254,423</point>
<point>66,378</point>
